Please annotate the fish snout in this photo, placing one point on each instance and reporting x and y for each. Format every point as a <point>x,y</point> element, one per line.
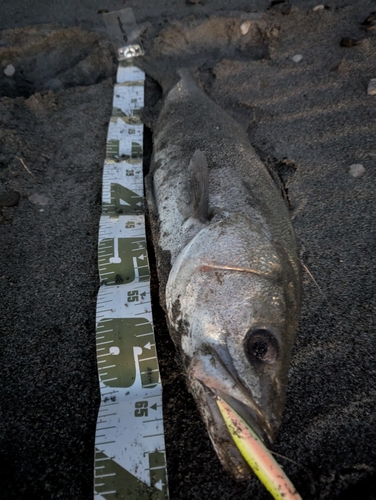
<point>213,375</point>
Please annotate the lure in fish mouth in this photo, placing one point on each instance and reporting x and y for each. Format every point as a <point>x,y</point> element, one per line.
<point>232,297</point>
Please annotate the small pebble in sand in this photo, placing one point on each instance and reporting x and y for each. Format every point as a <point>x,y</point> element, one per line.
<point>273,32</point>
<point>297,58</point>
<point>193,1</point>
<point>244,27</point>
<point>318,7</point>
<point>9,70</point>
<point>9,199</point>
<point>356,170</point>
<point>371,89</point>
<point>39,199</point>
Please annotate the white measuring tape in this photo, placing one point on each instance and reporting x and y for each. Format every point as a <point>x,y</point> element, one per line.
<point>130,459</point>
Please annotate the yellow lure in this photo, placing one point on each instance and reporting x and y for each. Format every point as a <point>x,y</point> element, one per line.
<point>257,455</point>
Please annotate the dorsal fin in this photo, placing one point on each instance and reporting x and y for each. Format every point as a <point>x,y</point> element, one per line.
<point>197,188</point>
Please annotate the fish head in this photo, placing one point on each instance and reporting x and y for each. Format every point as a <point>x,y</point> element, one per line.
<point>233,300</point>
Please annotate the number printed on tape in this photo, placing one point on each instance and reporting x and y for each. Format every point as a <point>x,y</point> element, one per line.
<point>122,254</point>
<point>125,137</point>
<point>130,457</point>
<point>123,187</point>
<point>128,99</point>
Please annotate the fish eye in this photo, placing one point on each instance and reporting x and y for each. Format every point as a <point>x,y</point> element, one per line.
<point>261,345</point>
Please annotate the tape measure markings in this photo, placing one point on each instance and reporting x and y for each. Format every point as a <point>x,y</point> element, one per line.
<point>130,453</point>
<point>122,187</point>
<point>128,99</point>
<point>125,136</point>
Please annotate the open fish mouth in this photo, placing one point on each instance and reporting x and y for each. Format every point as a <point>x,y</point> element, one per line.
<point>213,377</point>
<point>247,413</point>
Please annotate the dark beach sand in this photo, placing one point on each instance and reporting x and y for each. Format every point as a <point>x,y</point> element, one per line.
<point>309,120</point>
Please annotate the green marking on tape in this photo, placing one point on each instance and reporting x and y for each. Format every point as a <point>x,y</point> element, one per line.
<point>136,149</point>
<point>112,147</point>
<point>157,464</point>
<point>126,348</point>
<point>122,260</point>
<point>117,112</point>
<point>123,201</point>
<point>133,83</point>
<point>113,482</point>
<point>132,120</point>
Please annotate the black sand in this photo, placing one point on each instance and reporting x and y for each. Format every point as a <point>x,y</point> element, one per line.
<point>309,120</point>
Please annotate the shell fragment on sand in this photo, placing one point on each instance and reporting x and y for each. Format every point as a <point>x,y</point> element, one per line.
<point>297,58</point>
<point>9,70</point>
<point>257,455</point>
<point>356,170</point>
<point>371,89</point>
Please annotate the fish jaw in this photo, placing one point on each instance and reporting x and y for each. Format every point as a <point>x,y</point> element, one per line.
<point>222,442</point>
<point>210,378</point>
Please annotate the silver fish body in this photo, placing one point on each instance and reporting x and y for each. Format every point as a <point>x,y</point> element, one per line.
<point>228,265</point>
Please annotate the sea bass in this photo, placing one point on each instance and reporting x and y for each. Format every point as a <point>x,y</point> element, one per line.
<point>227,263</point>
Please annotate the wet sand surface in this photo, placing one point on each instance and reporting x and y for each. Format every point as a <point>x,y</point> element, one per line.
<point>310,118</point>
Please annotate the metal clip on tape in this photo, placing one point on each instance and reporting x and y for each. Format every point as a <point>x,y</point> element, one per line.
<point>124,33</point>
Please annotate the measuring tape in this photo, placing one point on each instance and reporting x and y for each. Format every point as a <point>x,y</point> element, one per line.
<point>130,459</point>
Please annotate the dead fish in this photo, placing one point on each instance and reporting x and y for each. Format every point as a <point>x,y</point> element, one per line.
<point>227,263</point>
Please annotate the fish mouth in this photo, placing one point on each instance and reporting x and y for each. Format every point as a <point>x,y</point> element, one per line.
<point>209,382</point>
